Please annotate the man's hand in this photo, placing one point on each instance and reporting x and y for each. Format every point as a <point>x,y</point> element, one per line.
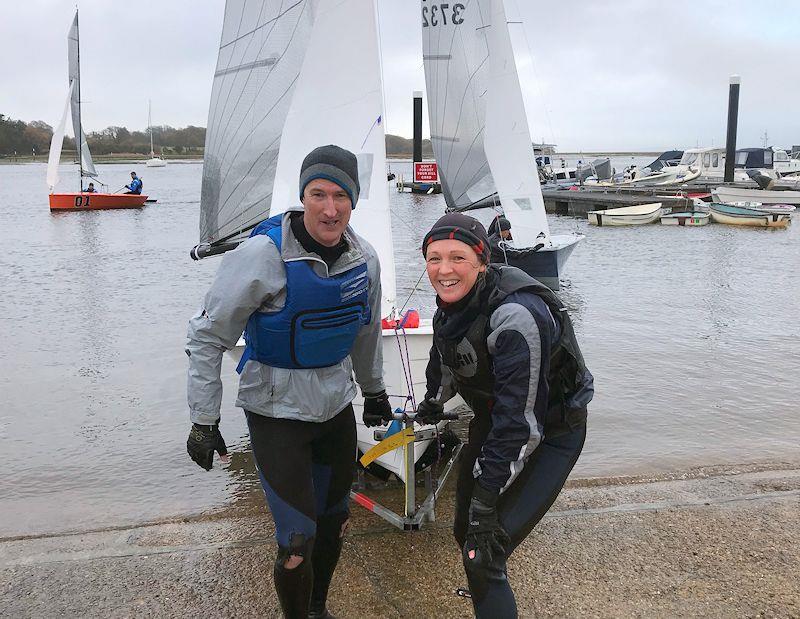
<point>377,410</point>
<point>203,442</point>
<point>429,411</point>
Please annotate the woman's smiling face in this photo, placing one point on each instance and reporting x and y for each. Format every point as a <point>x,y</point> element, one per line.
<point>453,268</point>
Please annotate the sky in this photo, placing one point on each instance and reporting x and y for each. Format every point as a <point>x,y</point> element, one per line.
<point>615,75</point>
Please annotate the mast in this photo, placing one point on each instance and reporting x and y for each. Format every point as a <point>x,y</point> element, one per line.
<point>150,126</point>
<point>79,137</point>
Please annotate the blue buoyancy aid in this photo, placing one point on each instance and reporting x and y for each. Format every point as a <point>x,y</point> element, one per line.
<point>320,320</point>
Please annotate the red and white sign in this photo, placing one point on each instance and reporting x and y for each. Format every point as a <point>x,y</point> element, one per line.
<point>426,172</point>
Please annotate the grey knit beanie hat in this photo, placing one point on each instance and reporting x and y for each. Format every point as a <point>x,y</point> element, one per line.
<point>334,164</point>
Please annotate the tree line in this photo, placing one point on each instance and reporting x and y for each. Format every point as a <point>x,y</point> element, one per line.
<point>25,139</point>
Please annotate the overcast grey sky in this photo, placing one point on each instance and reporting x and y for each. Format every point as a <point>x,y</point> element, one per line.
<point>613,75</point>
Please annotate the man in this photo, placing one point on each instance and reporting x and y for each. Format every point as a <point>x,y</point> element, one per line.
<point>135,186</point>
<point>499,238</point>
<point>90,188</point>
<point>306,290</point>
<point>500,230</point>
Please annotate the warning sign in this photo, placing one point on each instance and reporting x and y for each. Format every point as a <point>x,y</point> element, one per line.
<point>425,172</point>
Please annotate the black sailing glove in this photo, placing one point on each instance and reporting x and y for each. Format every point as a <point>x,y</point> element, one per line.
<point>486,540</point>
<point>377,410</point>
<point>203,442</point>
<point>429,411</point>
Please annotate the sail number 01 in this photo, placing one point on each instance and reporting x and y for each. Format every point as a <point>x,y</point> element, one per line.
<point>437,14</point>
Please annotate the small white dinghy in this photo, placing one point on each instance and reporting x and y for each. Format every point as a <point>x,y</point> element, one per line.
<point>687,218</point>
<point>741,216</point>
<point>627,215</point>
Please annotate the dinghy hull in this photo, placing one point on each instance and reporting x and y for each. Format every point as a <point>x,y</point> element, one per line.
<point>94,201</point>
<point>546,264</point>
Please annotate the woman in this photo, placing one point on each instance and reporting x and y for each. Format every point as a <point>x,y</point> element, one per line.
<point>505,343</point>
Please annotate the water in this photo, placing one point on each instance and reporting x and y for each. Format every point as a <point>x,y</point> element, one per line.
<point>692,335</point>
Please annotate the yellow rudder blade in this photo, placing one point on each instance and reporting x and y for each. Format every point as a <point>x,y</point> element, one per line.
<point>388,444</point>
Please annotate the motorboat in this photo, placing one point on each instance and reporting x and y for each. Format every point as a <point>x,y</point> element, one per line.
<point>636,215</point>
<point>771,161</point>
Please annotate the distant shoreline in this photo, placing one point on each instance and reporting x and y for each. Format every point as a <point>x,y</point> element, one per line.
<point>135,158</point>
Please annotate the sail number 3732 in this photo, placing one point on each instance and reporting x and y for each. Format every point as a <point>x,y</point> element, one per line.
<point>442,14</point>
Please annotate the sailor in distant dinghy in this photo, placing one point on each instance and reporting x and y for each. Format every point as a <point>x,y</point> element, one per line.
<point>504,342</point>
<point>305,289</point>
<point>136,185</point>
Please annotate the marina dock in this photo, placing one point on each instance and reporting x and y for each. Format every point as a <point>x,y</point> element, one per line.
<point>592,197</point>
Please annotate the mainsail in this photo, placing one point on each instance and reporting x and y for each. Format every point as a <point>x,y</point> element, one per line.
<point>290,79</point>
<point>54,158</point>
<point>73,42</point>
<point>478,124</point>
<point>260,56</point>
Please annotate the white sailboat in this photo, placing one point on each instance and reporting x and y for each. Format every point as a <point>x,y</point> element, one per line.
<point>153,162</point>
<point>479,129</point>
<point>81,200</point>
<point>267,113</point>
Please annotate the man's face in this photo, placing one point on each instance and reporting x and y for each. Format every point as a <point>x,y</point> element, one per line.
<point>327,211</point>
<point>453,268</point>
<point>505,234</point>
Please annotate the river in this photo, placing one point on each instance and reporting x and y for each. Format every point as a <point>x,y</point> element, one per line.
<point>692,335</point>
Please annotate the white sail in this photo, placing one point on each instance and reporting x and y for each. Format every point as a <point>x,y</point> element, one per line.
<point>261,52</point>
<point>339,100</point>
<point>508,141</point>
<point>287,81</point>
<point>455,56</point>
<point>73,54</point>
<point>56,143</point>
<point>479,129</point>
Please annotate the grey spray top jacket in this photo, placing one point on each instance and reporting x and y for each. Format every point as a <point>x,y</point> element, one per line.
<point>250,278</point>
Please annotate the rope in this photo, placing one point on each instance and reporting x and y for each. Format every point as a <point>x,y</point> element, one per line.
<point>405,360</point>
<point>413,290</point>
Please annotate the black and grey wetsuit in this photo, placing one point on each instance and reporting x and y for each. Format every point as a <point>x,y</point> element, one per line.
<point>509,350</point>
<point>302,427</point>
